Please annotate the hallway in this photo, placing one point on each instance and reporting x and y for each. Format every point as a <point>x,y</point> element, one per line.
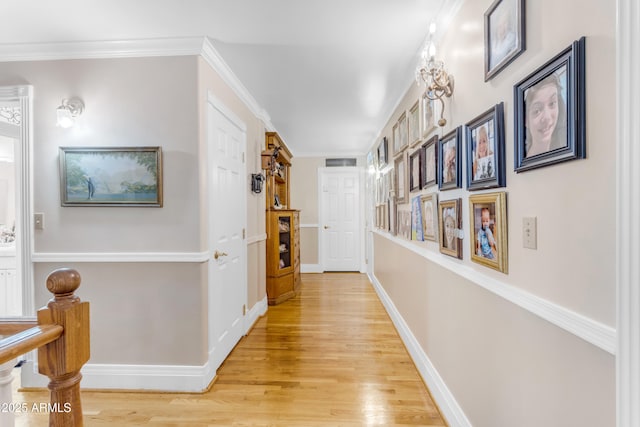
<point>328,357</point>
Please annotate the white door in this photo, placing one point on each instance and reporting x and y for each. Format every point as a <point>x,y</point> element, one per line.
<point>340,219</point>
<point>227,220</point>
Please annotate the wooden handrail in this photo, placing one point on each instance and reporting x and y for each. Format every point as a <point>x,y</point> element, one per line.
<point>10,327</point>
<point>25,341</point>
<point>62,339</point>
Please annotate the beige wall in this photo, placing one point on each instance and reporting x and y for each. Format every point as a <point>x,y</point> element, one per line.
<point>304,196</point>
<point>129,102</point>
<point>144,308</point>
<point>504,365</point>
<point>209,80</point>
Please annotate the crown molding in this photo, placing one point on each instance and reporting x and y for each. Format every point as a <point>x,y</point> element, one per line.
<point>101,49</point>
<point>109,49</point>
<point>214,59</point>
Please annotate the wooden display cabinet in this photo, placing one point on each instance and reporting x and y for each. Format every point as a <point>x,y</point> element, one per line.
<point>283,223</point>
<point>283,254</point>
<point>276,161</point>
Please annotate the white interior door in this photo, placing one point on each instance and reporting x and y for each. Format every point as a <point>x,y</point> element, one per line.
<point>227,221</point>
<point>340,219</point>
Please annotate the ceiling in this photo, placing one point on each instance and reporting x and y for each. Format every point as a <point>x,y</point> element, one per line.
<point>329,73</point>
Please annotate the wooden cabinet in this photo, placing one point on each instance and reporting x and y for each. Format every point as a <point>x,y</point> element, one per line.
<point>276,161</point>
<point>283,223</point>
<point>283,254</point>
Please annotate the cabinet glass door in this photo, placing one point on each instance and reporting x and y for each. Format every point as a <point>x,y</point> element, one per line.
<point>284,241</point>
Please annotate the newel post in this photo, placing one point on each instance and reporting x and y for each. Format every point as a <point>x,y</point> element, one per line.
<point>62,359</point>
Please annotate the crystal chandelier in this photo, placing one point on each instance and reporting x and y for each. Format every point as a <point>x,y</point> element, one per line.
<point>431,71</point>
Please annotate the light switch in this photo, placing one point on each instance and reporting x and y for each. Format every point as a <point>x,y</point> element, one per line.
<point>529,233</point>
<point>38,221</point>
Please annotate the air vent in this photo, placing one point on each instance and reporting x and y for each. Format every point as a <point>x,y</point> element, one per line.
<point>339,162</point>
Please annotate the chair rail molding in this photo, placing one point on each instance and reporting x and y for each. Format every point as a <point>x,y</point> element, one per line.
<point>593,332</point>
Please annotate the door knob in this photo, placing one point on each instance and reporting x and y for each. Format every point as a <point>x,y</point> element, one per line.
<point>217,254</point>
<point>326,226</point>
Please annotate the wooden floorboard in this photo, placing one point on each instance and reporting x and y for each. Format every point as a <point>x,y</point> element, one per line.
<point>328,357</point>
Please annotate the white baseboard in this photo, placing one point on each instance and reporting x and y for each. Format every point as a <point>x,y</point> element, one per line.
<point>259,309</point>
<point>311,268</point>
<point>173,378</point>
<point>176,378</point>
<point>445,400</point>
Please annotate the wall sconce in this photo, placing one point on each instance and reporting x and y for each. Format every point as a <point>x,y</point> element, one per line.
<point>431,72</point>
<point>68,111</point>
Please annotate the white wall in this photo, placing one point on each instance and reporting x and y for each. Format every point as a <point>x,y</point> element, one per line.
<point>505,364</point>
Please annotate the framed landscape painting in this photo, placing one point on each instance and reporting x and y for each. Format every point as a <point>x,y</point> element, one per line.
<point>111,176</point>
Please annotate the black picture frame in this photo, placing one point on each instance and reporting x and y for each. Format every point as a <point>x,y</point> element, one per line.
<point>563,79</point>
<point>485,150</point>
<point>415,171</point>
<point>430,164</point>
<point>504,35</point>
<point>450,160</point>
<point>383,148</point>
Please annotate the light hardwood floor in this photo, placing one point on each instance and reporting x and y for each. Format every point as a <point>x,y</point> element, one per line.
<point>328,357</point>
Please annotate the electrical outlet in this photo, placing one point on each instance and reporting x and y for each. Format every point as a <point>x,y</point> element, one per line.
<point>38,221</point>
<point>529,233</point>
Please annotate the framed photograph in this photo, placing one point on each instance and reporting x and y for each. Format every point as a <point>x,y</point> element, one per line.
<point>504,35</point>
<point>393,213</point>
<point>404,224</point>
<point>550,111</point>
<point>416,219</point>
<point>430,163</point>
<point>429,208</point>
<point>485,150</point>
<point>401,184</point>
<point>396,139</point>
<point>449,160</point>
<point>428,114</point>
<point>450,223</point>
<point>403,130</point>
<point>414,124</point>
<point>488,239</point>
<point>382,153</point>
<point>111,176</point>
<point>415,170</point>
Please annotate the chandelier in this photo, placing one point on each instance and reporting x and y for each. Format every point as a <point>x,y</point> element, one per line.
<point>431,71</point>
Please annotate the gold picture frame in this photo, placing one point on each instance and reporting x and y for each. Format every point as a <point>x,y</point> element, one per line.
<point>488,230</point>
<point>449,225</point>
<point>414,124</point>
<point>429,208</point>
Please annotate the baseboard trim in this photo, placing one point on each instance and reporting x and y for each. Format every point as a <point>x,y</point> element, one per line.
<point>311,268</point>
<point>443,397</point>
<point>596,333</point>
<point>165,378</point>
<point>258,310</point>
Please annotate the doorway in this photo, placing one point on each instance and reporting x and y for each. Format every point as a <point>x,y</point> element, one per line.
<point>227,273</point>
<point>340,209</point>
<point>16,283</point>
